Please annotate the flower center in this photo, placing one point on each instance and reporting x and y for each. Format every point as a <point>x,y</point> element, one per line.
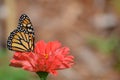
<point>46,56</point>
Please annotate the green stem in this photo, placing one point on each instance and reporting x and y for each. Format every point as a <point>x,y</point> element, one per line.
<point>42,75</point>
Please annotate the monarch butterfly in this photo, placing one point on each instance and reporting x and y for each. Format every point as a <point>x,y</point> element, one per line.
<point>22,38</point>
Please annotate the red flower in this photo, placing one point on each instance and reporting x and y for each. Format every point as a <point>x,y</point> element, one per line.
<point>47,57</point>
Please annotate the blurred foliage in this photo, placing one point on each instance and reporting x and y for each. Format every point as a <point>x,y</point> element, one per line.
<point>116,4</point>
<point>8,73</point>
<point>104,45</point>
<point>2,53</point>
<point>110,46</point>
<point>11,73</point>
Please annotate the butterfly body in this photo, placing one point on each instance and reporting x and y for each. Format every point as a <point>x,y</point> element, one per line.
<point>22,38</point>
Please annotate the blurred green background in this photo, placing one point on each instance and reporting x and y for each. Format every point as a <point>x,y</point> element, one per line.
<point>90,28</point>
<point>11,73</point>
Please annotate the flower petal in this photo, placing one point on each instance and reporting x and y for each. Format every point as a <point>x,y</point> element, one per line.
<point>47,57</point>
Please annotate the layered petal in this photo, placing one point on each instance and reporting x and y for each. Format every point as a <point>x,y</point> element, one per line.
<point>47,57</point>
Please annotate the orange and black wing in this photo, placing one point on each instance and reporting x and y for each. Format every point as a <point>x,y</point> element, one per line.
<point>22,38</point>
<point>25,24</point>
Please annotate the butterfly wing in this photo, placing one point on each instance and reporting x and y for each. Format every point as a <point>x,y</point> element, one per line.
<point>25,24</point>
<point>22,38</point>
